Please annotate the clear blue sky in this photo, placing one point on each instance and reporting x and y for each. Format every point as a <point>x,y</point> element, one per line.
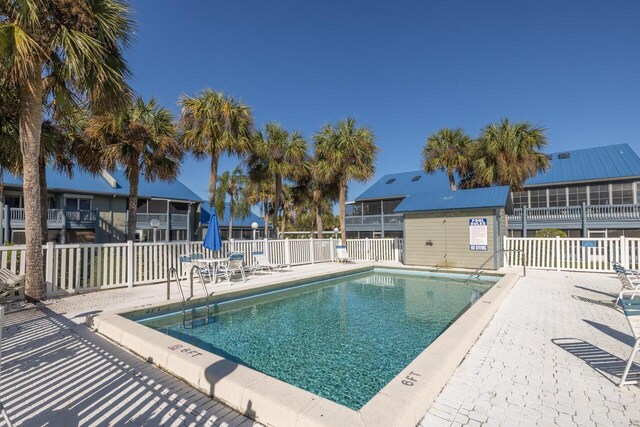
<point>404,68</point>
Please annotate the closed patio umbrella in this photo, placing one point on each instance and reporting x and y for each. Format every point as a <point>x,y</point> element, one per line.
<point>212,239</point>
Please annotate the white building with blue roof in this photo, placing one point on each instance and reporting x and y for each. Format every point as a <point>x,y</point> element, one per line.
<point>591,192</point>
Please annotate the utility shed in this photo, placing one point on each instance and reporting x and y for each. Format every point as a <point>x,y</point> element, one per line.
<point>460,228</point>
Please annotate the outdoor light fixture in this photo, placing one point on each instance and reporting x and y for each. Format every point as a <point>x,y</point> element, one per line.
<point>254,225</point>
<point>155,223</point>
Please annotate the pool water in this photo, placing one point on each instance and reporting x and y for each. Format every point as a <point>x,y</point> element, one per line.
<point>343,339</point>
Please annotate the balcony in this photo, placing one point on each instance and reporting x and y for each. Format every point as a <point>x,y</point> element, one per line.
<point>178,221</point>
<point>57,218</point>
<point>576,217</point>
<point>390,222</point>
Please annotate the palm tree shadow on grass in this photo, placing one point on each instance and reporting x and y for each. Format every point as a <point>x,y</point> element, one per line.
<point>609,365</point>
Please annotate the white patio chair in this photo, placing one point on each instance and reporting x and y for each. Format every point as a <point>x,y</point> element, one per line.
<point>631,308</point>
<point>10,282</point>
<point>342,255</point>
<point>261,262</point>
<point>235,264</point>
<point>628,278</point>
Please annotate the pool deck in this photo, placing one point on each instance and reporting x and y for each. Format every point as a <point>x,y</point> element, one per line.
<point>550,356</point>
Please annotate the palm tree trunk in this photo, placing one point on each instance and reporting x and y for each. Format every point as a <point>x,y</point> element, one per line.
<point>30,127</point>
<point>134,180</point>
<point>452,182</point>
<point>44,201</point>
<point>231,209</point>
<point>343,203</point>
<point>276,206</point>
<point>213,176</point>
<point>265,203</point>
<point>284,219</point>
<point>319,222</point>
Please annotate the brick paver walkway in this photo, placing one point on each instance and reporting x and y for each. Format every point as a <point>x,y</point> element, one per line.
<point>552,355</point>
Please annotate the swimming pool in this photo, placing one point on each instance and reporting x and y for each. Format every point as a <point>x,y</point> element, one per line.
<point>343,338</point>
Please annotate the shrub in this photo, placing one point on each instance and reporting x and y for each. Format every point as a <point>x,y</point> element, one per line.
<point>550,232</point>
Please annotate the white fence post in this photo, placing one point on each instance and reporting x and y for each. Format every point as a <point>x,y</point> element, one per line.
<point>287,252</point>
<point>367,248</point>
<point>332,249</point>
<point>49,268</point>
<point>131,262</point>
<point>266,248</point>
<point>232,244</point>
<point>311,251</point>
<point>558,252</point>
<point>396,249</point>
<point>624,252</point>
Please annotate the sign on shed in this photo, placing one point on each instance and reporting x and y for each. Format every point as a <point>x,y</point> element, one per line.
<point>478,239</point>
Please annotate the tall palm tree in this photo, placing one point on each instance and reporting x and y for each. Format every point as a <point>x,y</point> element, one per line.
<point>69,52</point>
<point>508,153</point>
<point>213,124</point>
<point>346,152</point>
<point>278,154</point>
<point>447,150</point>
<point>232,184</point>
<point>142,139</point>
<point>259,191</point>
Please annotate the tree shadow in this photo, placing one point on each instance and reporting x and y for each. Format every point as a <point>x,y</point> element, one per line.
<point>606,294</point>
<point>608,365</point>
<point>610,304</point>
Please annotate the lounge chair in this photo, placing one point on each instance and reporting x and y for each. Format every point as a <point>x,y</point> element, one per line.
<point>342,255</point>
<point>628,278</point>
<point>234,265</point>
<point>262,263</point>
<point>10,282</point>
<point>631,308</point>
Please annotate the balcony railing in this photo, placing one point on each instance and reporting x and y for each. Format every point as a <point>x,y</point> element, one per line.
<point>57,218</point>
<point>575,215</point>
<point>177,220</point>
<point>375,220</point>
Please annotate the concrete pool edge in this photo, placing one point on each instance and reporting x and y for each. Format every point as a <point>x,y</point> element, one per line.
<point>274,402</point>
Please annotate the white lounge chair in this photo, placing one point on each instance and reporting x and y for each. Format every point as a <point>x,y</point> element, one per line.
<point>629,279</point>
<point>342,255</point>
<point>10,282</point>
<point>261,262</point>
<point>631,308</point>
<point>234,265</point>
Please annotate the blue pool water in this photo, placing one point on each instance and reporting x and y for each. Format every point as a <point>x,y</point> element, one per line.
<point>343,339</point>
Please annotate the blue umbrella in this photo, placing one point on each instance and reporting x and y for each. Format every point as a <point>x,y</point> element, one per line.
<point>212,239</point>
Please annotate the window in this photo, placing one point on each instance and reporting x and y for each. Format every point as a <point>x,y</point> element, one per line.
<point>416,178</point>
<point>371,208</point>
<point>520,199</point>
<point>357,209</point>
<point>388,206</point>
<point>557,197</point>
<point>577,195</point>
<point>391,181</point>
<point>538,198</point>
<point>564,155</point>
<point>75,203</point>
<point>12,201</point>
<point>622,193</point>
<point>599,194</point>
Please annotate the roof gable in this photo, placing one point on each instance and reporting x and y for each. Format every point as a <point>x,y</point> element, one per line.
<point>205,215</point>
<point>403,184</point>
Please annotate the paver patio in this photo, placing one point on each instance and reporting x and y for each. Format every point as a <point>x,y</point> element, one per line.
<point>551,356</point>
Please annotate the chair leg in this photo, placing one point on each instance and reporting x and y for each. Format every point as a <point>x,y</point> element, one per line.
<point>629,363</point>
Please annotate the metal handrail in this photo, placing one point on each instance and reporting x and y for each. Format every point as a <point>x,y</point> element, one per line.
<point>476,271</point>
<point>204,285</point>
<point>175,272</point>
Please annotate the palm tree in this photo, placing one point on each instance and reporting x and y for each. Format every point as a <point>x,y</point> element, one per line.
<point>279,155</point>
<point>260,191</point>
<point>232,184</point>
<point>346,152</point>
<point>68,52</point>
<point>508,153</point>
<point>142,139</point>
<point>213,124</point>
<point>447,150</point>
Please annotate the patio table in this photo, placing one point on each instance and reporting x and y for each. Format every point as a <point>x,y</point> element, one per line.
<point>211,263</point>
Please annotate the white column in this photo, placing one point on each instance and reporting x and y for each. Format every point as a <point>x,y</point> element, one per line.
<point>49,268</point>
<point>332,249</point>
<point>311,251</point>
<point>287,252</point>
<point>131,257</point>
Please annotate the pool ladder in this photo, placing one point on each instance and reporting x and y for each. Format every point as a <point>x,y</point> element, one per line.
<point>476,272</point>
<point>174,272</point>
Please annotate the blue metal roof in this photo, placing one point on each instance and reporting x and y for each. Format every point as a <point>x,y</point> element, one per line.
<point>85,182</point>
<point>205,214</point>
<point>441,200</point>
<point>589,164</point>
<point>403,184</point>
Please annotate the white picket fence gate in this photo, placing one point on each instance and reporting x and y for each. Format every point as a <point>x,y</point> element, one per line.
<point>571,254</point>
<point>71,268</point>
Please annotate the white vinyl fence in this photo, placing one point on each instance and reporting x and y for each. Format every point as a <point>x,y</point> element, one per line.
<point>71,268</point>
<point>583,254</point>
